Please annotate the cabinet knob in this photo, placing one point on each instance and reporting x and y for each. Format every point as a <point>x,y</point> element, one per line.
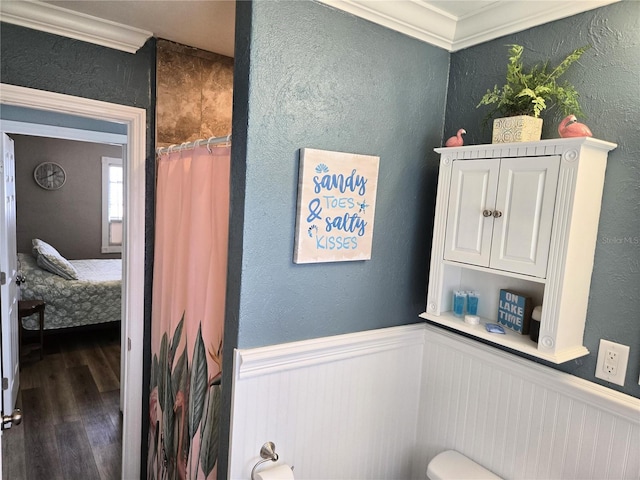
<point>487,213</point>
<point>497,214</point>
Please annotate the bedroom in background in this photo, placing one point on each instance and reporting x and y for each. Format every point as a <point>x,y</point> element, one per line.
<point>71,397</point>
<point>62,255</point>
<point>78,379</point>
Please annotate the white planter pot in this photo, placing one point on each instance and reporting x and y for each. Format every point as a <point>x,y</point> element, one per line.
<point>522,128</point>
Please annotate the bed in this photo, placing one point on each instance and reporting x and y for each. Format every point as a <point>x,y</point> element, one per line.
<point>93,298</point>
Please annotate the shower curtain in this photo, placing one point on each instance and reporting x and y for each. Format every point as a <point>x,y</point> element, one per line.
<point>189,283</point>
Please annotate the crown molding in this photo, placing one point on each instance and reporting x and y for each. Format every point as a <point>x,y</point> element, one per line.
<point>507,17</point>
<point>415,18</point>
<point>67,23</point>
<point>419,19</point>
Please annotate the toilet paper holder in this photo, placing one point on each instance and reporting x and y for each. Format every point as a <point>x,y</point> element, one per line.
<point>268,453</point>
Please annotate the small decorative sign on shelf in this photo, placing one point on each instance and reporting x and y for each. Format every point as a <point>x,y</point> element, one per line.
<point>336,206</point>
<point>514,311</point>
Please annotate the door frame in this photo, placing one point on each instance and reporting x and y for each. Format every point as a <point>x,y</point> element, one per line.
<point>132,342</point>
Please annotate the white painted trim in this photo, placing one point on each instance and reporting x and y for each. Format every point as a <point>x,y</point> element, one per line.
<point>506,17</point>
<point>256,362</point>
<point>68,23</point>
<point>419,19</point>
<point>355,394</point>
<point>133,255</point>
<point>413,18</point>
<point>260,361</point>
<point>53,131</point>
<point>571,386</point>
<point>439,391</point>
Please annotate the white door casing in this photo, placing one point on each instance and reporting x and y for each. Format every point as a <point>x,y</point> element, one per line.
<point>133,250</point>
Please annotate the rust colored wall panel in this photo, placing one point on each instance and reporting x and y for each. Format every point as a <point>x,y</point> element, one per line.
<point>195,90</point>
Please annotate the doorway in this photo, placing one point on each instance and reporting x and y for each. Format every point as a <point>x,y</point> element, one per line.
<point>134,119</point>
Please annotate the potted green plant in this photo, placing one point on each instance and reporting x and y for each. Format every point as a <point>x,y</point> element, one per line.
<point>526,94</point>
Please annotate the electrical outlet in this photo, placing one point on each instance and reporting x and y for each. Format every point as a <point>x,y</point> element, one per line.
<point>612,362</point>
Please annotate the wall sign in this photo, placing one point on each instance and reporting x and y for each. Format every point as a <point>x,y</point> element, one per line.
<point>514,311</point>
<point>336,206</point>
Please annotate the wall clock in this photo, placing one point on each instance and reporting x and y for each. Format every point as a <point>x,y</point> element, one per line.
<point>50,175</point>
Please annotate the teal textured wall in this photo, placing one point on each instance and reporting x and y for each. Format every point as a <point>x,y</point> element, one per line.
<point>307,75</point>
<point>607,77</point>
<point>322,79</point>
<point>48,62</point>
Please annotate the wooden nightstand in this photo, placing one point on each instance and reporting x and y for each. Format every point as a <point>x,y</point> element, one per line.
<point>26,308</point>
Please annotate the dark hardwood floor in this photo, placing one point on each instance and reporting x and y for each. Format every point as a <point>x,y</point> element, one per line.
<point>71,426</point>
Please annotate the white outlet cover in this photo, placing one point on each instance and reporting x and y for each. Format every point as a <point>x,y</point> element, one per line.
<point>622,352</point>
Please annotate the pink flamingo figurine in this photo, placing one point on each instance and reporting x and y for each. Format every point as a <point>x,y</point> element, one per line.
<point>570,127</point>
<point>456,141</point>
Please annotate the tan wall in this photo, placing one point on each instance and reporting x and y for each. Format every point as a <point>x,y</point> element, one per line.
<point>195,94</point>
<point>70,218</point>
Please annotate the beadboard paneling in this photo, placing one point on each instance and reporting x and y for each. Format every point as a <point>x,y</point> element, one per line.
<point>341,407</point>
<point>520,419</point>
<point>380,404</point>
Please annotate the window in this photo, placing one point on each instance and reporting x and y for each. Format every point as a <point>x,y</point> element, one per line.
<point>112,204</point>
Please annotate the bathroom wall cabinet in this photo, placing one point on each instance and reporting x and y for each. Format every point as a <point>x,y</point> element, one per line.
<point>524,217</point>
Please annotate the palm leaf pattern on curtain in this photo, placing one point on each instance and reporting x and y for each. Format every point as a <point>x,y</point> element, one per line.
<point>189,401</point>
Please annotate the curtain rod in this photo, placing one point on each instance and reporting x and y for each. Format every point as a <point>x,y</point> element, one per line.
<point>197,143</point>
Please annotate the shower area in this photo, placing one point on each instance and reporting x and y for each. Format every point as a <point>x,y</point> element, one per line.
<point>194,104</point>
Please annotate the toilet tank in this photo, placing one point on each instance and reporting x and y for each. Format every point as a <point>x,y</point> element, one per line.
<point>452,465</point>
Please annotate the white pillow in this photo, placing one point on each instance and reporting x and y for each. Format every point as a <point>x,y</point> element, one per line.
<point>51,260</point>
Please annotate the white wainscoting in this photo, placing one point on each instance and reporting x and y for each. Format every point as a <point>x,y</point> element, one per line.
<point>335,407</point>
<point>378,405</point>
<point>520,419</point>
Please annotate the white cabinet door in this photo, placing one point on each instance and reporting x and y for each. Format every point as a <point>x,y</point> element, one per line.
<point>472,191</point>
<point>500,213</point>
<point>524,206</point>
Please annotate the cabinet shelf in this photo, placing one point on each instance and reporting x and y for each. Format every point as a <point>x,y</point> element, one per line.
<point>504,273</point>
<point>510,339</point>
